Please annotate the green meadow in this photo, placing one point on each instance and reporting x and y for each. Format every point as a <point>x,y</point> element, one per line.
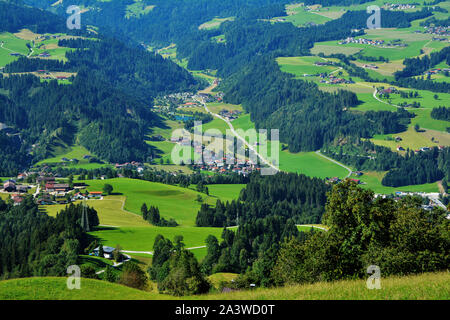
<point>303,65</point>
<point>214,23</point>
<point>137,9</point>
<point>302,17</point>
<point>73,152</point>
<point>426,286</point>
<point>225,192</point>
<point>11,44</point>
<point>372,181</point>
<point>143,238</point>
<point>310,164</point>
<point>121,222</point>
<point>173,202</point>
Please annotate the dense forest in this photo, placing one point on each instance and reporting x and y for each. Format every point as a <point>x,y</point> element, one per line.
<point>112,125</point>
<point>418,168</point>
<point>34,244</point>
<point>15,17</point>
<point>105,108</point>
<point>169,20</point>
<point>284,195</point>
<point>247,39</point>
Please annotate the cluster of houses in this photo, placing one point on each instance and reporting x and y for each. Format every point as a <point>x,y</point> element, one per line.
<point>436,71</point>
<point>335,180</point>
<point>48,37</point>
<point>389,90</point>
<point>438,30</point>
<point>16,191</point>
<point>362,41</point>
<point>130,165</point>
<point>331,79</point>
<point>12,186</point>
<point>221,166</point>
<point>378,42</point>
<point>370,66</point>
<point>399,6</point>
<point>423,149</point>
<point>54,192</point>
<point>322,64</point>
<point>189,99</point>
<point>230,115</point>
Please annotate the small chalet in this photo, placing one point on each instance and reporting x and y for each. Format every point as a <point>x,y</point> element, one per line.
<point>9,186</point>
<point>58,187</point>
<point>95,194</point>
<point>108,252</point>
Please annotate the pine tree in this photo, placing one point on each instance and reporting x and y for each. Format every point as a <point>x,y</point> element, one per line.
<point>144,211</point>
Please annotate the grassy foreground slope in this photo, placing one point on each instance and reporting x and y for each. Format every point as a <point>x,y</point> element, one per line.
<point>428,286</point>
<point>52,288</point>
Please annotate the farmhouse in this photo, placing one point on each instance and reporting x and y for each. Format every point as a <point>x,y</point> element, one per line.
<point>57,187</point>
<point>17,200</point>
<point>95,194</point>
<point>108,252</point>
<point>9,186</point>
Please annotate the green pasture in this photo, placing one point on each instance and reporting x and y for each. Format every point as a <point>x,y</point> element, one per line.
<point>302,17</point>
<point>426,286</point>
<point>310,164</point>
<point>373,182</point>
<point>225,192</point>
<point>214,23</point>
<point>137,9</point>
<point>143,238</point>
<point>109,211</point>
<point>172,201</point>
<point>11,44</point>
<point>73,152</point>
<point>303,65</point>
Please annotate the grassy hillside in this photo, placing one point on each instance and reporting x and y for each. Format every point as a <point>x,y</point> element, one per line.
<point>56,289</point>
<point>172,201</point>
<point>429,286</point>
<point>422,287</point>
<point>120,213</point>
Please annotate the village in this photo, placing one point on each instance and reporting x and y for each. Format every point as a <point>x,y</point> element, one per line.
<point>378,43</point>
<point>47,190</point>
<point>436,71</point>
<point>50,188</point>
<point>399,6</point>
<point>438,30</point>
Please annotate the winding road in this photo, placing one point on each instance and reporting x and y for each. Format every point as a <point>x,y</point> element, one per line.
<point>238,136</point>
